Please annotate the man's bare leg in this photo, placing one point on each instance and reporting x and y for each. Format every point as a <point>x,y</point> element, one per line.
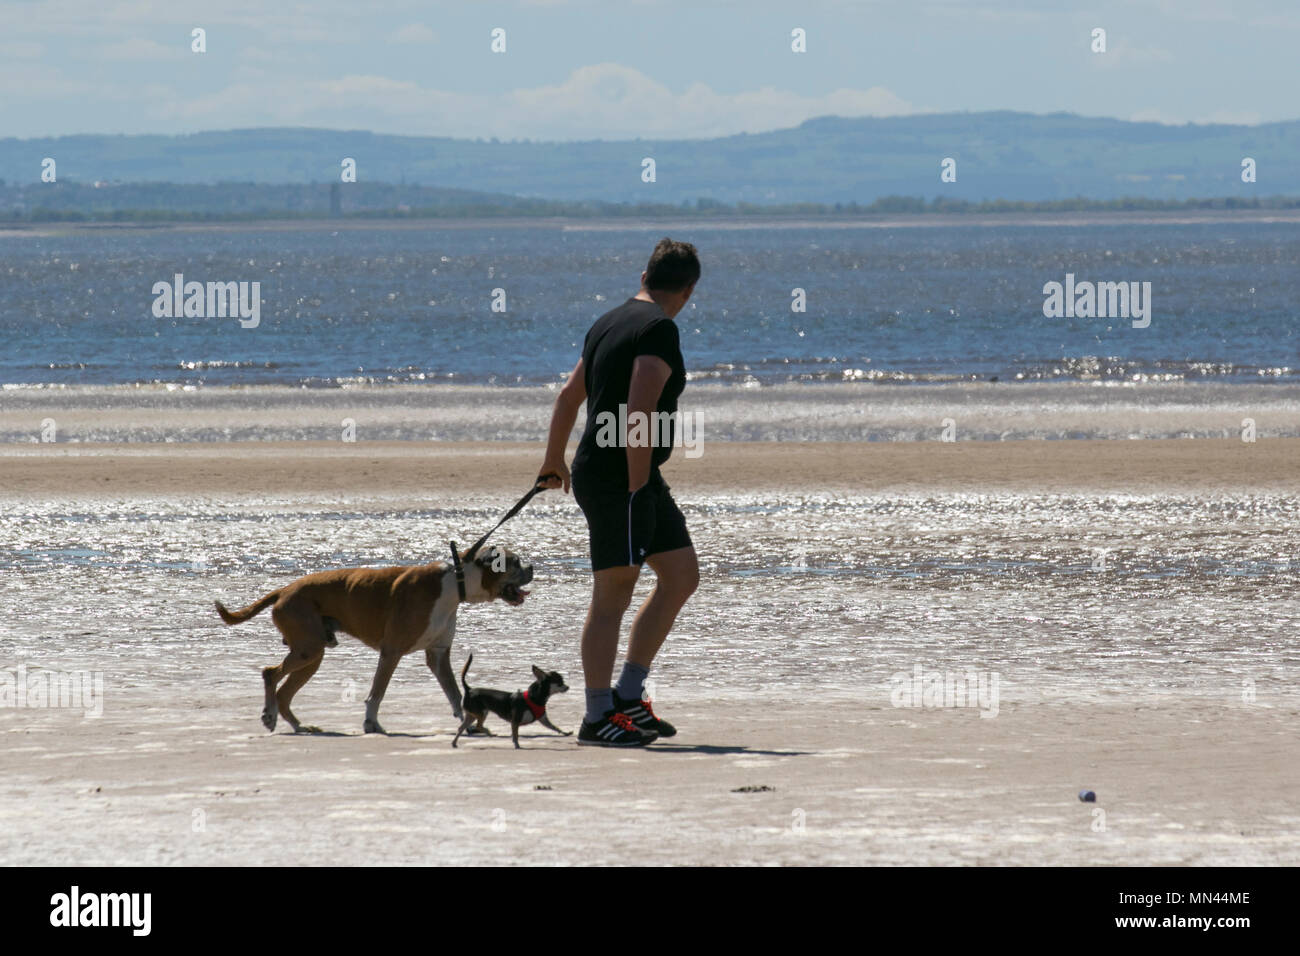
<point>677,575</point>
<point>602,725</point>
<point>611,593</point>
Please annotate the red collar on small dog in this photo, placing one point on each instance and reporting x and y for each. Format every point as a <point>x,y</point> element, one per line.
<point>537,709</point>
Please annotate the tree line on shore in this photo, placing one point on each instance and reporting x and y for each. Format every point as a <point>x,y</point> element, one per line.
<point>250,202</point>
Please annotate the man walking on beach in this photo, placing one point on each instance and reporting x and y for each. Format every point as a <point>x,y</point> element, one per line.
<point>631,364</point>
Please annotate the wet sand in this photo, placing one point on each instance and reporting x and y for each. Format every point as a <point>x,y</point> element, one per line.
<point>192,781</point>
<point>179,770</point>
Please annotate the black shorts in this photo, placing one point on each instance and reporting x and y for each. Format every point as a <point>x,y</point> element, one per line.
<point>624,529</point>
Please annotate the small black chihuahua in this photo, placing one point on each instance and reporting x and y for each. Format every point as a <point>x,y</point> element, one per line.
<point>521,707</point>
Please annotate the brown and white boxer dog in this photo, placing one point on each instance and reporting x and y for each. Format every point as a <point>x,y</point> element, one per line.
<point>395,610</point>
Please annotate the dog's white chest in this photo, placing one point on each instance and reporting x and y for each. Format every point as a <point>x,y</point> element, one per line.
<point>442,624</point>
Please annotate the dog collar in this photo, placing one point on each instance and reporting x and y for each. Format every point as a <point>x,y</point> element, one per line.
<point>460,571</point>
<point>537,709</point>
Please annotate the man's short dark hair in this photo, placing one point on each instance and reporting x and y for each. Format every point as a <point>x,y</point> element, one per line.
<point>673,266</point>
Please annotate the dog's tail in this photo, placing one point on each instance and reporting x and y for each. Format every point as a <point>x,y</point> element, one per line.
<point>239,617</point>
<point>465,670</point>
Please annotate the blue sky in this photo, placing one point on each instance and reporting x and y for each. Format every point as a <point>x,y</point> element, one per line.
<point>575,69</point>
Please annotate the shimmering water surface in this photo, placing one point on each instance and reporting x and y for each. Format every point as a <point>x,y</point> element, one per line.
<point>1077,596</point>
<point>882,305</point>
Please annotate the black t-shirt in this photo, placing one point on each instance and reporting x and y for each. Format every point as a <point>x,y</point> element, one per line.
<point>634,328</point>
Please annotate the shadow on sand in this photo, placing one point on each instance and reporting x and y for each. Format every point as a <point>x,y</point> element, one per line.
<point>721,750</point>
<point>715,750</point>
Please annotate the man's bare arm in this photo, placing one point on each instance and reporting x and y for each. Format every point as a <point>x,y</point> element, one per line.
<point>649,375</point>
<point>563,415</point>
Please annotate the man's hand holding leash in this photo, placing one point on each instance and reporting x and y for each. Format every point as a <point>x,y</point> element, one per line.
<point>554,472</point>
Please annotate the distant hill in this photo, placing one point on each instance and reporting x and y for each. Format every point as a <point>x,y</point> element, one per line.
<point>1000,155</point>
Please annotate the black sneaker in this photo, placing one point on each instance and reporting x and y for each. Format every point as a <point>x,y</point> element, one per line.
<point>613,730</point>
<point>642,717</point>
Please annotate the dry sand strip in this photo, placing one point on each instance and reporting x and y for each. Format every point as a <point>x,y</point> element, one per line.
<point>406,468</point>
<point>181,781</point>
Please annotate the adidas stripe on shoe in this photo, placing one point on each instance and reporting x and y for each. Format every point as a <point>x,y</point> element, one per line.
<point>643,717</point>
<point>613,730</point>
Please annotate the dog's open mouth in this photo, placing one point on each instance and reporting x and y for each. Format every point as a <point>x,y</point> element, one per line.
<point>512,593</point>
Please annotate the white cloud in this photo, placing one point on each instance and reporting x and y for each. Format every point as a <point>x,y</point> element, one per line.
<point>1120,52</point>
<point>22,50</point>
<point>603,101</point>
<point>43,82</point>
<point>413,33</point>
<point>611,101</point>
<point>136,49</point>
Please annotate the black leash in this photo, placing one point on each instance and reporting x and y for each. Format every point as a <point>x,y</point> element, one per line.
<point>469,555</point>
